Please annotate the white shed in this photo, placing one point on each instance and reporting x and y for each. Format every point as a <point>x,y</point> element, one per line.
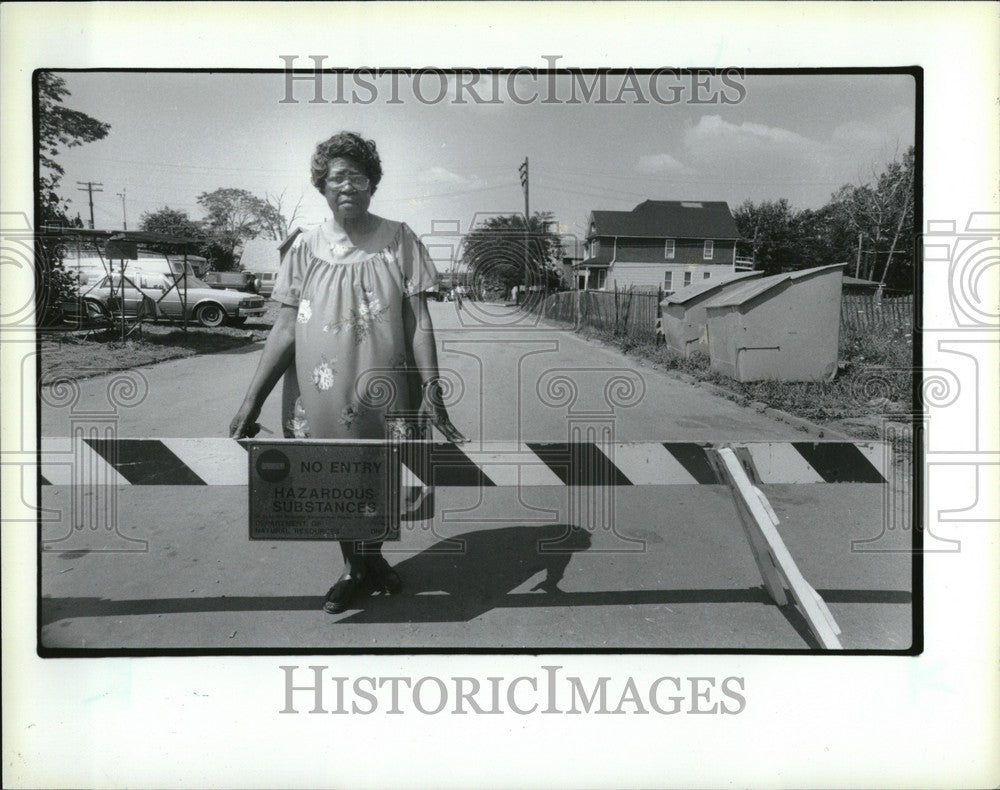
<point>785,327</point>
<point>683,321</point>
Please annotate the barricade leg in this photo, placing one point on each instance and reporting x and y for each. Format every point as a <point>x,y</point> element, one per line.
<point>777,567</point>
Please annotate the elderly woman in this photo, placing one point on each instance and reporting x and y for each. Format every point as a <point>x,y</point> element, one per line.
<point>353,307</point>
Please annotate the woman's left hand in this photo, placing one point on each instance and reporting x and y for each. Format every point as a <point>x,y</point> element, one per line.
<point>432,406</point>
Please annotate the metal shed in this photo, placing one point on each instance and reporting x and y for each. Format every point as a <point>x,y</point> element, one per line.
<point>785,327</point>
<point>683,321</point>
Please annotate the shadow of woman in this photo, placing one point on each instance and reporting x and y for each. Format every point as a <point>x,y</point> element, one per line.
<point>460,578</point>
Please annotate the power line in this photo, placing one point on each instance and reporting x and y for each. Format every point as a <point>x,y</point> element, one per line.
<point>243,169</point>
<point>124,217</point>
<point>89,189</point>
<point>523,170</point>
<point>674,178</point>
<point>447,194</point>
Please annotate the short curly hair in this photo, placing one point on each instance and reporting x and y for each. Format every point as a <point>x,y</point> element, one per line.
<point>348,145</point>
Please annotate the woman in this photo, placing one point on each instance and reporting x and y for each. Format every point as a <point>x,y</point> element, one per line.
<point>353,326</point>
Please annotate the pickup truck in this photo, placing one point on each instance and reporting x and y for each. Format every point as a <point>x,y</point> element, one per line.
<point>237,281</point>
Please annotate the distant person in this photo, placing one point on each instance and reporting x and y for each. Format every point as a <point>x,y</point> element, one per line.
<point>458,300</point>
<point>353,299</point>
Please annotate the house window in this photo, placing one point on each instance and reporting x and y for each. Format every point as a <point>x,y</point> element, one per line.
<point>669,249</point>
<point>668,281</point>
<point>706,275</point>
<point>595,248</point>
<point>687,278</point>
<point>709,250</point>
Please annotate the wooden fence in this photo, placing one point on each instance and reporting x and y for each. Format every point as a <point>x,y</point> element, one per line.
<point>862,312</point>
<point>630,312</point>
<point>623,312</point>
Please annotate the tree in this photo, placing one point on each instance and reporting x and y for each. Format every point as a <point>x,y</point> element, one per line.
<point>273,218</point>
<point>500,253</point>
<point>233,216</point>
<point>881,212</point>
<point>171,222</point>
<point>771,229</point>
<point>236,215</point>
<point>58,128</point>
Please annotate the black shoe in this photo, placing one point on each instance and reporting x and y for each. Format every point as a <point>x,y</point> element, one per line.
<point>382,574</point>
<point>342,593</point>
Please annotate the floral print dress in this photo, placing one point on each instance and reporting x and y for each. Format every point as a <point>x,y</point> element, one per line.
<point>351,363</point>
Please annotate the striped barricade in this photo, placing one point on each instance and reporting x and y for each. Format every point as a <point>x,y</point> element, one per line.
<point>180,462</point>
<point>101,461</point>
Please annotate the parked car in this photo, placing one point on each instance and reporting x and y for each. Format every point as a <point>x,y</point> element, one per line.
<point>265,282</point>
<point>238,281</point>
<point>210,307</point>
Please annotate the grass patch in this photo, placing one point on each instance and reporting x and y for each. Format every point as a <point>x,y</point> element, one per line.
<point>74,355</point>
<point>873,384</point>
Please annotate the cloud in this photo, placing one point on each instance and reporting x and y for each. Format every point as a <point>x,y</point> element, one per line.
<point>441,176</point>
<point>711,132</point>
<point>761,161</point>
<point>659,163</point>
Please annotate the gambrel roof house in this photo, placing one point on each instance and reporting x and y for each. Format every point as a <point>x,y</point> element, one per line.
<point>659,243</point>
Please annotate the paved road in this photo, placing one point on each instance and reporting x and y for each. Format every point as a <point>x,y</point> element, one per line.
<point>520,380</point>
<point>674,571</point>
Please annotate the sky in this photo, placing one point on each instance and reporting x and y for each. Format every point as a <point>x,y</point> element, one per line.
<point>447,164</point>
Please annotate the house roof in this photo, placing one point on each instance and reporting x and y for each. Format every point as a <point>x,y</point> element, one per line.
<point>669,219</point>
<point>707,288</point>
<point>744,292</point>
<point>260,255</point>
<point>603,258</point>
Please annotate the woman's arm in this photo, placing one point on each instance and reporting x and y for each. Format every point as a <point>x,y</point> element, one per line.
<point>419,333</point>
<point>279,351</point>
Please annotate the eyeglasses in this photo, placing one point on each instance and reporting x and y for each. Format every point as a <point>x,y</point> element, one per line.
<point>357,181</point>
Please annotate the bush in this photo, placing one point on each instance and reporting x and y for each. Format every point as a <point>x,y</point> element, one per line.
<point>57,286</point>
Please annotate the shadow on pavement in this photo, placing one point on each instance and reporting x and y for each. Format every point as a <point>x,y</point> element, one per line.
<point>461,578</point>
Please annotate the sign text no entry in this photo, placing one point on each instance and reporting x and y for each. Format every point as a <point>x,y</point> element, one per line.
<point>324,491</point>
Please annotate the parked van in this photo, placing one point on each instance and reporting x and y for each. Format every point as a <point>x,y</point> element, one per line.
<point>92,268</point>
<point>265,282</point>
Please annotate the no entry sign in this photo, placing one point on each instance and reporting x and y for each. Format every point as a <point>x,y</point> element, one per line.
<point>324,490</point>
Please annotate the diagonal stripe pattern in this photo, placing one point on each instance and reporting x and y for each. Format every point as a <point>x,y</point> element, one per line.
<point>200,462</point>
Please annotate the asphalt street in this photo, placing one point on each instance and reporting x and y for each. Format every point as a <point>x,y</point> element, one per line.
<point>670,568</point>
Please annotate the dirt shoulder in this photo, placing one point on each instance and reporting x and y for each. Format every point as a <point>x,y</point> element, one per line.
<point>869,398</point>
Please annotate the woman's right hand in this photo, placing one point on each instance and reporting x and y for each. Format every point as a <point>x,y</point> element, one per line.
<point>244,425</point>
<point>279,351</point>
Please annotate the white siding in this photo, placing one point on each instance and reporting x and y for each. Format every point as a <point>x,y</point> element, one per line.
<point>650,275</point>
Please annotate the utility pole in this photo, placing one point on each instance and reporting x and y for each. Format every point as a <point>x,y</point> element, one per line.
<point>857,265</point>
<point>523,170</point>
<point>124,217</point>
<point>89,189</point>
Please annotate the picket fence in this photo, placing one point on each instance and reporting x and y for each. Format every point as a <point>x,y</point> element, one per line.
<point>622,312</point>
<point>863,312</point>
